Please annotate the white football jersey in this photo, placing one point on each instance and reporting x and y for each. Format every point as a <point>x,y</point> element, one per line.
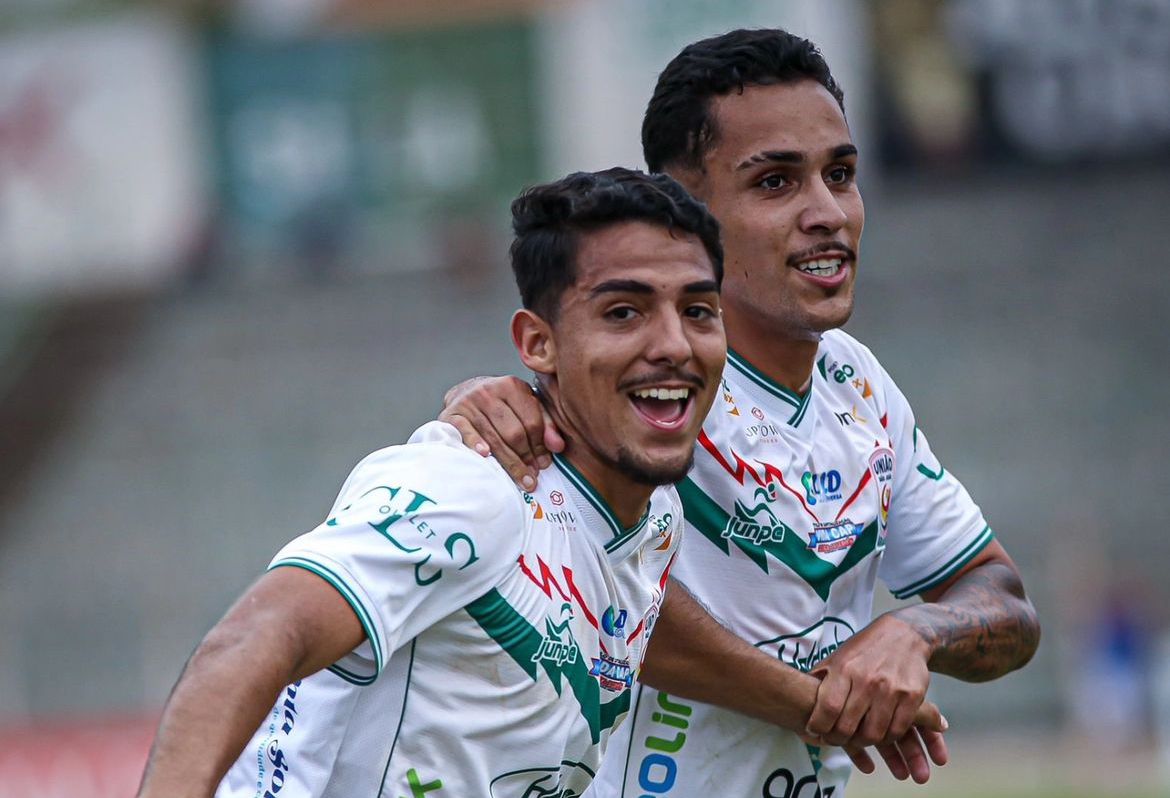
<point>504,631</point>
<point>795,507</point>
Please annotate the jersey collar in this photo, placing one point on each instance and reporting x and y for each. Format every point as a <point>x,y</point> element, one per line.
<point>599,517</point>
<point>798,404</point>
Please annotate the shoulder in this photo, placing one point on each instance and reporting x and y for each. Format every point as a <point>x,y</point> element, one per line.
<point>432,471</point>
<point>840,348</point>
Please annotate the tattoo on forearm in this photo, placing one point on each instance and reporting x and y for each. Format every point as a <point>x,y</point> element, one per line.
<point>981,628</point>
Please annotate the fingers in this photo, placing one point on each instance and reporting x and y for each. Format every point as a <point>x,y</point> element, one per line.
<point>501,416</point>
<point>894,763</point>
<point>861,759</point>
<point>928,716</point>
<point>936,746</point>
<point>471,438</point>
<point>832,694</point>
<point>914,755</point>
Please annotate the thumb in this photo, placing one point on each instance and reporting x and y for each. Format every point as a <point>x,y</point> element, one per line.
<point>930,717</point>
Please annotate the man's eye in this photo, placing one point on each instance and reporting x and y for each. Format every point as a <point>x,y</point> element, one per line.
<point>840,174</point>
<point>623,313</point>
<point>773,182</point>
<point>700,312</point>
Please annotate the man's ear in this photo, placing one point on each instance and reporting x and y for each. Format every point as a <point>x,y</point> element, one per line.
<point>533,338</point>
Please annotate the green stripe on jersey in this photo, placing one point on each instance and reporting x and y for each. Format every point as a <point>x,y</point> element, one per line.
<point>350,596</point>
<point>522,642</point>
<point>950,568</point>
<point>705,514</point>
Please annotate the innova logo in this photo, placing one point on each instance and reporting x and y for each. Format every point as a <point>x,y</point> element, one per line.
<point>757,524</point>
<point>805,649</point>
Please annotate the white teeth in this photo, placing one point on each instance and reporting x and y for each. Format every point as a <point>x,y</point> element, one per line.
<point>825,267</point>
<point>666,394</point>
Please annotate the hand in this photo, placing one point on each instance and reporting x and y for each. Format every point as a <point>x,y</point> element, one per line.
<point>906,757</point>
<point>501,416</point>
<point>872,687</point>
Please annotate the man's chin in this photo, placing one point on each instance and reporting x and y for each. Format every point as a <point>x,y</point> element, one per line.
<point>657,471</point>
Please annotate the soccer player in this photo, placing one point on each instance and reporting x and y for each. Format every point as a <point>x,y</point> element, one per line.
<point>444,633</point>
<point>811,479</point>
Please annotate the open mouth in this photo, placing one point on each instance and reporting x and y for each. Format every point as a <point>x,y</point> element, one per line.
<point>663,408</point>
<point>826,271</point>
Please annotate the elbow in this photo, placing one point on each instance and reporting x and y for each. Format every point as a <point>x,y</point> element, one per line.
<point>1029,634</point>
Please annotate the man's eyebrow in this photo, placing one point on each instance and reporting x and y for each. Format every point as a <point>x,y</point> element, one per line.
<point>772,156</point>
<point>638,287</point>
<point>621,286</point>
<point>701,287</point>
<point>793,157</point>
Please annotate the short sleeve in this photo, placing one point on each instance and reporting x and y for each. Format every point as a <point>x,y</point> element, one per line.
<point>934,527</point>
<point>418,532</point>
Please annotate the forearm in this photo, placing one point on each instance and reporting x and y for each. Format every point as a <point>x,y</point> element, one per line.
<point>690,655</point>
<point>219,701</point>
<point>981,627</point>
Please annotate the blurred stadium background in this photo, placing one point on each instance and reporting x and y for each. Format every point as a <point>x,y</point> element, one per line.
<point>244,242</point>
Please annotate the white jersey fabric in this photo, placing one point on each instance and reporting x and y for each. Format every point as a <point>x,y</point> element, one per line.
<point>504,630</point>
<point>795,507</point>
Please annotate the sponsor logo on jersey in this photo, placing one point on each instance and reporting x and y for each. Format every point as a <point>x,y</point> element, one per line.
<point>558,645</point>
<point>836,371</point>
<point>863,387</point>
<point>563,518</point>
<point>568,780</point>
<point>537,510</point>
<point>284,718</point>
<point>850,417</point>
<point>758,413</point>
<point>881,466</point>
<point>881,463</point>
<point>557,498</point>
<point>805,650</point>
<point>729,400</point>
<point>614,673</point>
<point>662,531</point>
<point>824,486</point>
<point>757,524</point>
<point>763,431</point>
<point>613,622</point>
<point>833,536</point>
<point>658,769</point>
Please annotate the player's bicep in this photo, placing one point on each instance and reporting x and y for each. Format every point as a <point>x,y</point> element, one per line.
<point>304,619</point>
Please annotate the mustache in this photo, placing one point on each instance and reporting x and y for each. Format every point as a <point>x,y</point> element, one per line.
<point>824,246</point>
<point>660,377</point>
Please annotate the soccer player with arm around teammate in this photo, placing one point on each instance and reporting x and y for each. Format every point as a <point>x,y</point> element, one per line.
<point>811,478</point>
<point>443,633</point>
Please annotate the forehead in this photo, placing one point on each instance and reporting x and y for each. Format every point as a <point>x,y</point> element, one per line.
<point>801,117</point>
<point>640,251</point>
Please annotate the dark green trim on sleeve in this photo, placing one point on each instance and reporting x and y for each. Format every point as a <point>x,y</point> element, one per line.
<point>952,566</point>
<point>354,602</point>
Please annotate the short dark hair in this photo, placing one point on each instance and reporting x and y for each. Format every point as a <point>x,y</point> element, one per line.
<point>678,128</point>
<point>550,219</point>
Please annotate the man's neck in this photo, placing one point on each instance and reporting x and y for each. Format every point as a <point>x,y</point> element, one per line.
<point>627,499</point>
<point>784,359</point>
